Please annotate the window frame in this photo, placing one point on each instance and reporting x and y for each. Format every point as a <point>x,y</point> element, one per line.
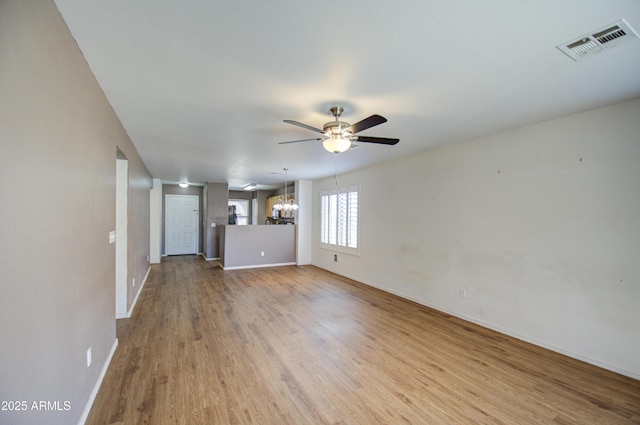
<point>330,236</point>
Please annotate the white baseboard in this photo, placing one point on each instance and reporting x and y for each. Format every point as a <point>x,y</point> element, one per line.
<point>257,266</point>
<point>135,300</point>
<point>96,387</point>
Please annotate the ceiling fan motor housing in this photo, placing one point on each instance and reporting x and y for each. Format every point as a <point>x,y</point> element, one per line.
<point>337,128</point>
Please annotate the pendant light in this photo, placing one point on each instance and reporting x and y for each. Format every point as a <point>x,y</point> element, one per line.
<point>285,205</point>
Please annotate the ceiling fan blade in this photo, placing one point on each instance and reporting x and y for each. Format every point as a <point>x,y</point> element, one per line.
<point>308,127</point>
<point>381,140</point>
<point>372,121</point>
<point>302,140</point>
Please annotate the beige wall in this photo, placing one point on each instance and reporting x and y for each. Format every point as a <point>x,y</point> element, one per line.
<point>58,139</point>
<point>217,195</point>
<point>257,246</point>
<point>540,225</point>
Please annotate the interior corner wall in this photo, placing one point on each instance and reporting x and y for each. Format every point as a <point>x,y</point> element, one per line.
<point>58,160</point>
<point>218,214</point>
<point>540,226</point>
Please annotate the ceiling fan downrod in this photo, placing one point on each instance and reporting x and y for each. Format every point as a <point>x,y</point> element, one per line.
<point>336,111</point>
<point>335,129</point>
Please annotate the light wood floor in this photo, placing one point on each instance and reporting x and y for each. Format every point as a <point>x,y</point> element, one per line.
<point>298,345</point>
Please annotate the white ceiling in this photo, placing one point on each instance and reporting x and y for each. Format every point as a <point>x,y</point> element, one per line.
<point>202,86</point>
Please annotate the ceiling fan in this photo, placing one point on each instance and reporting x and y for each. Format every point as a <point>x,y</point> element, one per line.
<point>338,136</point>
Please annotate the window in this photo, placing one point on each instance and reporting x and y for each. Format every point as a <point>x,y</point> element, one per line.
<point>241,211</point>
<point>339,219</point>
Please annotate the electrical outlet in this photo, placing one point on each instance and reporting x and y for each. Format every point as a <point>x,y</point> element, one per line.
<point>262,253</point>
<point>147,258</point>
<point>335,258</point>
<point>463,293</point>
<point>133,282</point>
<point>89,357</point>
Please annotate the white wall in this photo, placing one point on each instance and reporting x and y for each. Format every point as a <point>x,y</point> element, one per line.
<point>304,199</point>
<point>540,225</point>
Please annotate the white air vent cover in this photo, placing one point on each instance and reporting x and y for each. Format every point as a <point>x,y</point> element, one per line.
<point>598,40</point>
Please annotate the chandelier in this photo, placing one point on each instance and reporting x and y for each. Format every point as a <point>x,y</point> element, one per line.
<point>286,206</point>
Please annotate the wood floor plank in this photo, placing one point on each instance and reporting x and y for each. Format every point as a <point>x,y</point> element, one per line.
<point>299,345</point>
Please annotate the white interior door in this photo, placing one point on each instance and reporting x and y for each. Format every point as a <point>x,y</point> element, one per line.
<point>181,229</point>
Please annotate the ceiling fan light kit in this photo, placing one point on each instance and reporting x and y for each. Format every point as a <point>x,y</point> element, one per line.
<point>338,136</point>
<point>336,145</point>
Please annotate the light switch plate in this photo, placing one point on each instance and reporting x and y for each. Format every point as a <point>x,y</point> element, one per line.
<point>112,236</point>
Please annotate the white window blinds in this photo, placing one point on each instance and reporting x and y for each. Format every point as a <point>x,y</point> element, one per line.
<point>339,218</point>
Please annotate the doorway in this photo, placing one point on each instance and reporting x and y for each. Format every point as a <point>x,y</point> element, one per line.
<point>181,224</point>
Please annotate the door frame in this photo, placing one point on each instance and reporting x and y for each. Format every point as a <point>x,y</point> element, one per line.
<point>166,221</point>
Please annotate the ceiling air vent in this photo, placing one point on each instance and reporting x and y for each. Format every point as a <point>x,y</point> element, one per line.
<point>598,40</point>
